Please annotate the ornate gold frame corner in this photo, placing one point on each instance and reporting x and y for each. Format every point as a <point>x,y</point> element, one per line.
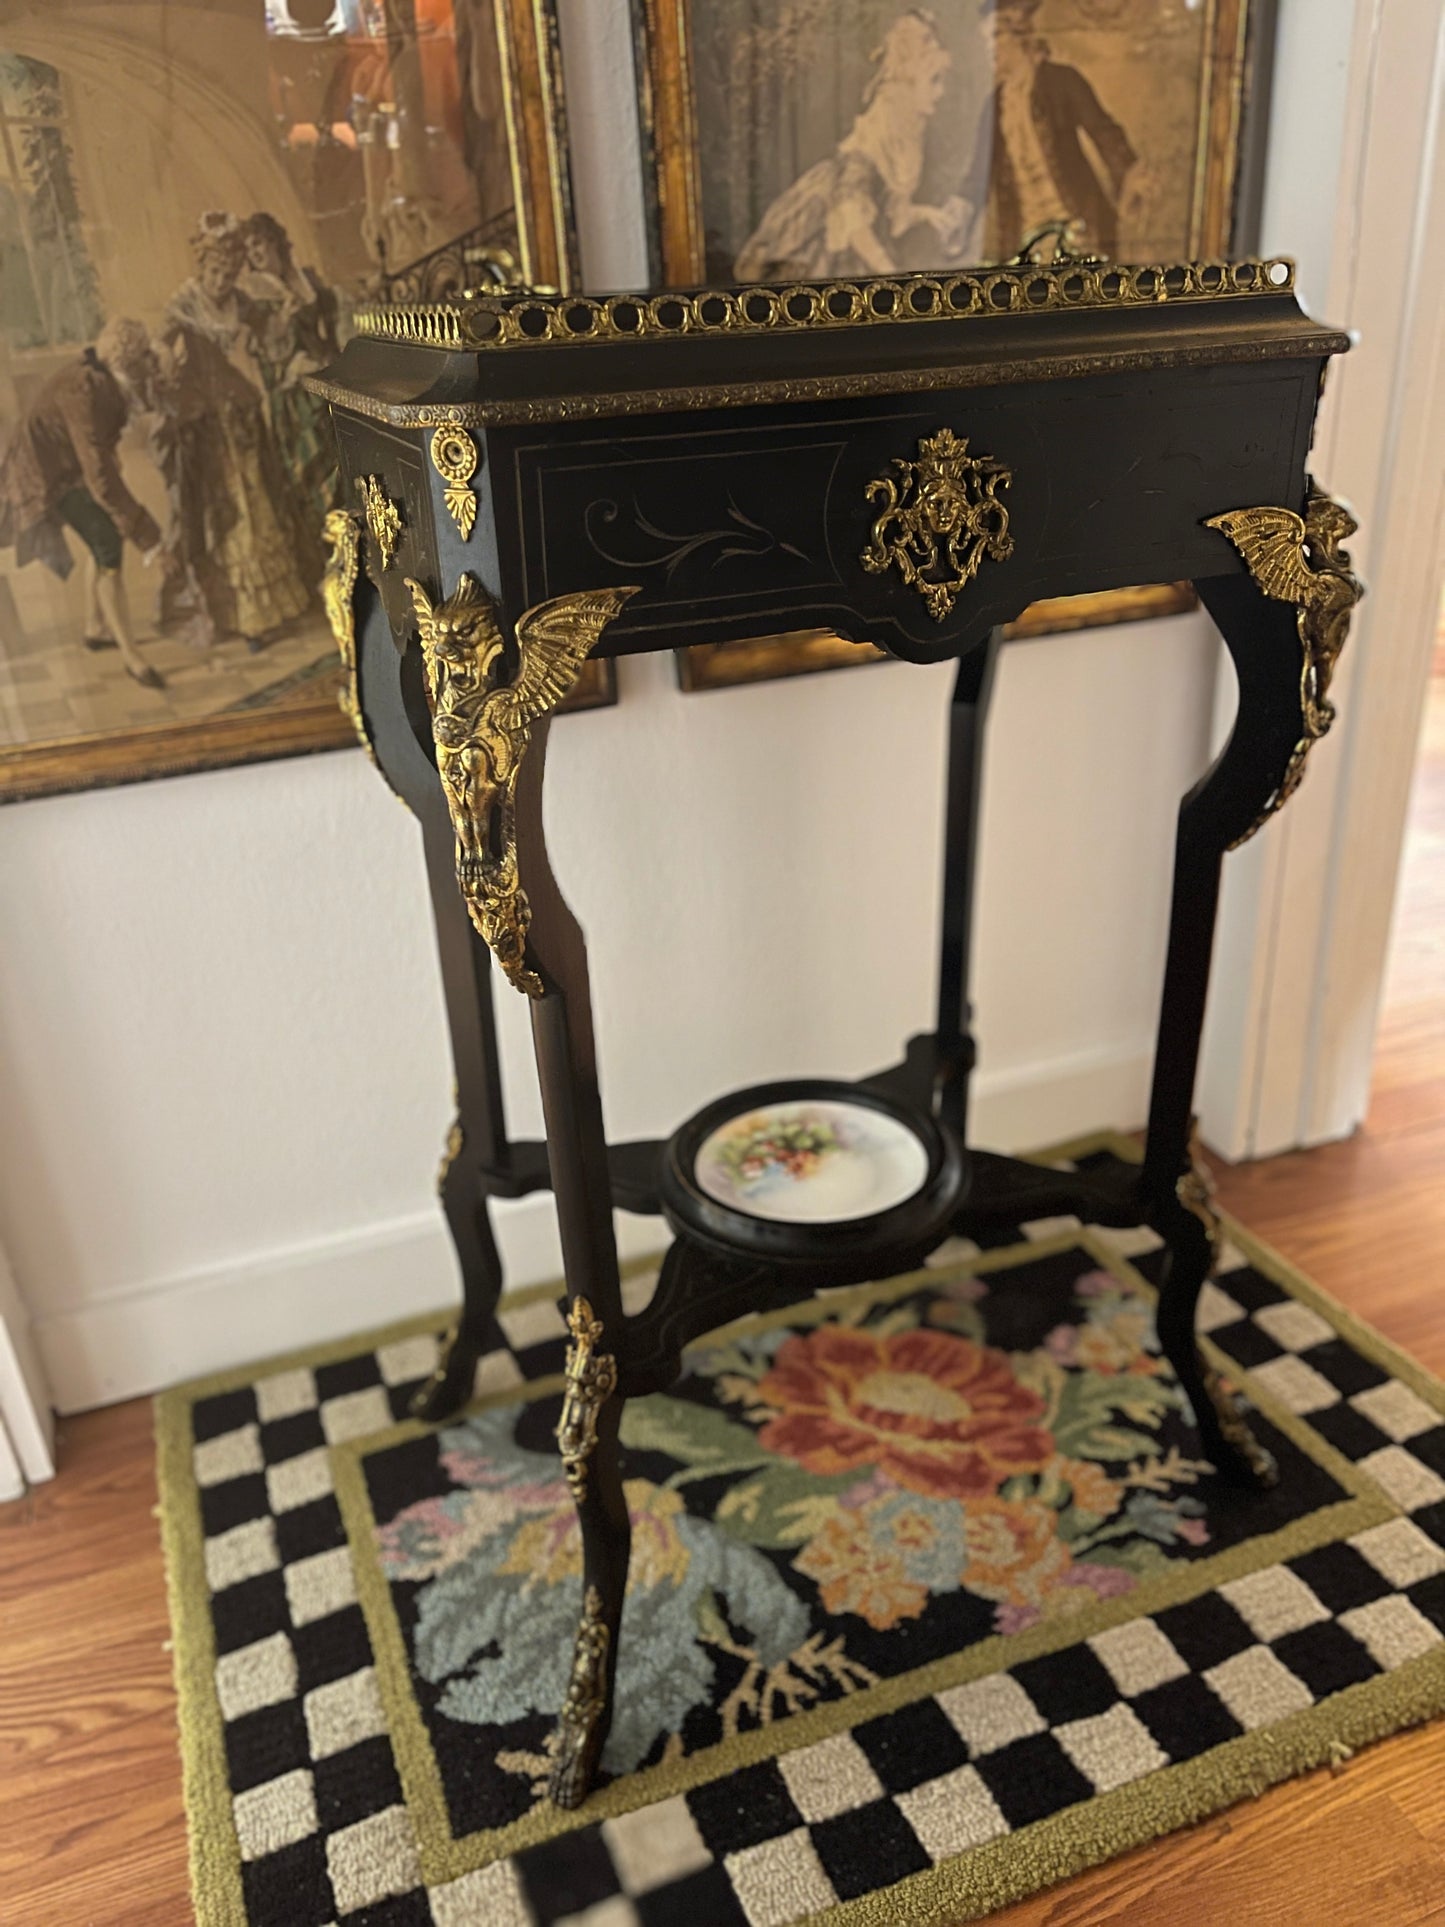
<point>804,652</point>
<point>531,67</point>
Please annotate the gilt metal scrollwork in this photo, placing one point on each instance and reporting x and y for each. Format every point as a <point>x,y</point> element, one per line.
<point>1067,239</point>
<point>584,1706</point>
<point>342,533</point>
<point>456,1138</point>
<point>454,456</point>
<point>1299,559</point>
<point>482,729</point>
<point>591,1381</point>
<point>940,517</point>
<point>1236,1429</point>
<point>1195,1191</point>
<point>383,518</point>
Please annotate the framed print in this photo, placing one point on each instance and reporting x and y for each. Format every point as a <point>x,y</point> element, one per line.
<point>808,139</point>
<point>719,665</point>
<point>194,197</point>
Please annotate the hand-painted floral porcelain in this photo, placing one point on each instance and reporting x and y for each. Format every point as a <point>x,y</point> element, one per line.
<point>811,1161</point>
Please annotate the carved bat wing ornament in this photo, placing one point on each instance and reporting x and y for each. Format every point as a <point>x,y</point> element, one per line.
<point>1272,544</point>
<point>554,639</point>
<point>482,731</point>
<point>1299,559</point>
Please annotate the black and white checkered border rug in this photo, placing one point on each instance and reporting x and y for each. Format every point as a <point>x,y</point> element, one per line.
<point>286,1738</point>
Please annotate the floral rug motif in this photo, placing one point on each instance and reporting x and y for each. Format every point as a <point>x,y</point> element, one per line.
<point>826,1501</point>
<point>932,1601</point>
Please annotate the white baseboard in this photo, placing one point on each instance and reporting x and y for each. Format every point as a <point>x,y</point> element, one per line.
<point>1018,1109</point>
<point>209,1320</point>
<point>226,1315</point>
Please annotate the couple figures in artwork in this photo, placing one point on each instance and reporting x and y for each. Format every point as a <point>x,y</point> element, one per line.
<point>248,478</point>
<point>858,212</point>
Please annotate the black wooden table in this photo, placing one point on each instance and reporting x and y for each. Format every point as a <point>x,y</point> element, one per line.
<point>909,462</point>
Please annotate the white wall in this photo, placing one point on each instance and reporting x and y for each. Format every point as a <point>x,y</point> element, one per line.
<point>1359,175</point>
<point>223,1078</point>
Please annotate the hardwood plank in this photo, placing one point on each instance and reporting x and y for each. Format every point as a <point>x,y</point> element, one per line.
<point>1327,1846</point>
<point>1364,1864</point>
<point>92,1827</point>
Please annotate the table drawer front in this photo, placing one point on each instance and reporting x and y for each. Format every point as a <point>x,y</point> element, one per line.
<point>741,523</point>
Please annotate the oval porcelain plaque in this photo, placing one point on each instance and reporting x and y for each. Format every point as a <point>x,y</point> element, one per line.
<point>811,1161</point>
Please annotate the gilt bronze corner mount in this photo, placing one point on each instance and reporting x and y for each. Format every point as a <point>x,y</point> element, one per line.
<point>584,1708</point>
<point>383,518</point>
<point>483,728</point>
<point>342,533</point>
<point>1301,559</point>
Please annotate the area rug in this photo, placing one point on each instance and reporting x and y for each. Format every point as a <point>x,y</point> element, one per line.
<point>933,1602</point>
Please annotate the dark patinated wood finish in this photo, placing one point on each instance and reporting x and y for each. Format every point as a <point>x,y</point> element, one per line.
<point>725,475</point>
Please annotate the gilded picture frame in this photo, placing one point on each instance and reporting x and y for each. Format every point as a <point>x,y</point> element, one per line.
<point>720,96</point>
<point>230,115</point>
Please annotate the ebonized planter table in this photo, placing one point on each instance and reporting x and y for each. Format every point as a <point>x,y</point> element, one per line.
<point>908,461</point>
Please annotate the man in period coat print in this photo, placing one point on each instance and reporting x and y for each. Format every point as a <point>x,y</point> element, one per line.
<point>1030,163</point>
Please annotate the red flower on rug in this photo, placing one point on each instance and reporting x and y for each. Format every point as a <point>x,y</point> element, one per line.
<point>933,1411</point>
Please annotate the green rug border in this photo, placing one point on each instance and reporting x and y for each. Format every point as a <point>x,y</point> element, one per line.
<point>973,1884</point>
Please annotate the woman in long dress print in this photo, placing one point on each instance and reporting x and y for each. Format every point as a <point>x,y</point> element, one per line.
<point>850,214</point>
<point>230,564</point>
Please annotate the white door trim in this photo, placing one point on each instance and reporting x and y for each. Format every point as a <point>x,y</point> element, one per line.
<point>27,1423</point>
<point>1307,909</point>
<point>12,1479</point>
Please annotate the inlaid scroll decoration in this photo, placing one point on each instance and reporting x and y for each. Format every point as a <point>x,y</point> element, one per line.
<point>1299,559</point>
<point>383,518</point>
<point>482,728</point>
<point>342,533</point>
<point>591,1381</point>
<point>940,518</point>
<point>579,1727</point>
<point>454,456</point>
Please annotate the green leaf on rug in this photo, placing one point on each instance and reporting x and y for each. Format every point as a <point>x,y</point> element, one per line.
<point>783,1505</point>
<point>700,1437</point>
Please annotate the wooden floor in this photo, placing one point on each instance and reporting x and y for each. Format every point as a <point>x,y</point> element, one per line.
<point>91,1825</point>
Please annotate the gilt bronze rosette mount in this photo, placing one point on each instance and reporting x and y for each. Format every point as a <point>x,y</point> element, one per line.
<point>455,458</point>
